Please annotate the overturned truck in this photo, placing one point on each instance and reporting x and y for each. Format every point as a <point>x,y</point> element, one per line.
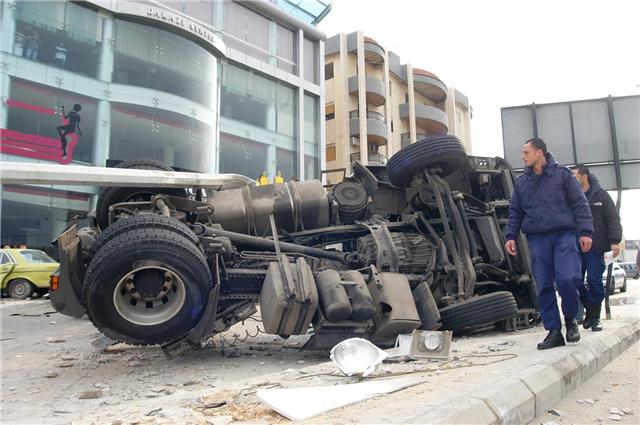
<point>414,245</point>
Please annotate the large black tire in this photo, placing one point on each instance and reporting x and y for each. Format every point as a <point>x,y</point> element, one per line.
<point>113,195</point>
<point>167,265</point>
<point>144,221</point>
<point>20,289</point>
<point>446,151</point>
<point>478,311</point>
<point>624,286</point>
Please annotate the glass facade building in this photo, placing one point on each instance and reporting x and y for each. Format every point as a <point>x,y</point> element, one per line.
<point>208,86</point>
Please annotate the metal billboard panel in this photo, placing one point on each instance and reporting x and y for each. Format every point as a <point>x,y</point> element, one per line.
<point>630,175</point>
<point>603,134</point>
<point>606,175</point>
<point>517,127</point>
<point>626,112</point>
<point>592,132</point>
<point>554,126</point>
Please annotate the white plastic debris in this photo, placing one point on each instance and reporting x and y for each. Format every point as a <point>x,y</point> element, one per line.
<point>303,403</point>
<point>357,356</point>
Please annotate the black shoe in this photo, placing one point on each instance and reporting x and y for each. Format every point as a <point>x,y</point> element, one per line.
<point>573,333</point>
<point>586,323</point>
<point>595,318</point>
<point>554,339</point>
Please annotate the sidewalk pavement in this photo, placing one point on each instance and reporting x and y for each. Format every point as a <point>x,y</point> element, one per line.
<point>491,378</point>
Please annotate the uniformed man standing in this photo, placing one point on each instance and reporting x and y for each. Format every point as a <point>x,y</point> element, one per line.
<point>607,233</point>
<point>549,206</point>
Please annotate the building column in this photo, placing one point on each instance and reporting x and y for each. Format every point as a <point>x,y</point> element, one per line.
<point>271,163</point>
<point>412,103</point>
<point>58,220</point>
<point>102,141</point>
<point>362,100</point>
<point>392,147</point>
<point>105,62</point>
<point>322,143</point>
<point>8,25</point>
<point>5,89</point>
<point>300,73</point>
<point>342,106</point>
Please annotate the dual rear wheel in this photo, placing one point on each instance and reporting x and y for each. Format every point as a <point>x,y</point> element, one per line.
<point>148,281</point>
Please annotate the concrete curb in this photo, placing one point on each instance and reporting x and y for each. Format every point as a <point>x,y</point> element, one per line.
<point>530,393</point>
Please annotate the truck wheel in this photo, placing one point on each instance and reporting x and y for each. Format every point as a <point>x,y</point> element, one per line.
<point>444,151</point>
<point>113,195</point>
<point>478,311</point>
<point>624,286</point>
<point>147,286</point>
<point>144,221</point>
<point>20,289</point>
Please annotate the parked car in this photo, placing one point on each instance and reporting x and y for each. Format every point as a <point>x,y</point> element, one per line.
<point>25,271</point>
<point>631,270</point>
<point>619,278</point>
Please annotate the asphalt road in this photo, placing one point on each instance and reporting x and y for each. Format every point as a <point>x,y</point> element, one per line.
<point>51,373</point>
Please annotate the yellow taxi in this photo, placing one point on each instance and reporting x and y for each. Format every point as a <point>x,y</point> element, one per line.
<point>24,271</point>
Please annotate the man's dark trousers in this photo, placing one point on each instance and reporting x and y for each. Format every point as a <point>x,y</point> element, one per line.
<point>593,265</point>
<point>555,258</point>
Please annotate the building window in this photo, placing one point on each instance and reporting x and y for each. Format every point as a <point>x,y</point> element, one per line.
<point>392,126</point>
<point>406,97</point>
<point>175,139</point>
<point>159,60</point>
<point>35,113</point>
<point>60,34</point>
<point>328,71</point>
<point>329,111</point>
<point>310,61</point>
<point>331,152</point>
<point>311,137</point>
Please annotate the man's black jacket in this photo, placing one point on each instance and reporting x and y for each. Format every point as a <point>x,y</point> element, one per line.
<point>606,221</point>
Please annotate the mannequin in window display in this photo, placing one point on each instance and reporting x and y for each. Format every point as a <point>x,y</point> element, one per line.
<point>70,127</point>
<point>32,46</point>
<point>60,55</point>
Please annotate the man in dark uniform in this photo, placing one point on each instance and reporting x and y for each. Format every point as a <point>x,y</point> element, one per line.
<point>549,206</point>
<point>607,233</point>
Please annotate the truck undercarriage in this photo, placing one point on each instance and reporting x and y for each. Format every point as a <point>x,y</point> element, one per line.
<point>414,245</point>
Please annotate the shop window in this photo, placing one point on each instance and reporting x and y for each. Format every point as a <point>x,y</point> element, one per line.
<point>35,115</point>
<point>177,140</point>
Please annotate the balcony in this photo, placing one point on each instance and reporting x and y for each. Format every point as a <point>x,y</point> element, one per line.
<point>375,90</point>
<point>373,52</point>
<point>376,126</point>
<point>372,158</point>
<point>405,138</point>
<point>429,118</point>
<point>428,85</point>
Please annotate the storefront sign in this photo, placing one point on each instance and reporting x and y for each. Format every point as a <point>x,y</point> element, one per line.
<point>163,15</point>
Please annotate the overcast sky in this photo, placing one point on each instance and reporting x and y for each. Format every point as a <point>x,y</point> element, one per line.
<point>509,53</point>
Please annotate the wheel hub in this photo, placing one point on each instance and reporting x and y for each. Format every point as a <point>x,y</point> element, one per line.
<point>149,295</point>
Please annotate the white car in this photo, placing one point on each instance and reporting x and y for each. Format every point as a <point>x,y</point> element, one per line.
<point>619,277</point>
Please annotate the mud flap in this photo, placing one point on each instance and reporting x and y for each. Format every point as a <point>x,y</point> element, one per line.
<point>66,299</point>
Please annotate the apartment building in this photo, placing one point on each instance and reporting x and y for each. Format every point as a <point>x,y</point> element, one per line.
<point>375,105</point>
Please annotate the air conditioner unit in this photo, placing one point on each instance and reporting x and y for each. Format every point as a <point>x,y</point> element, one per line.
<point>354,141</point>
